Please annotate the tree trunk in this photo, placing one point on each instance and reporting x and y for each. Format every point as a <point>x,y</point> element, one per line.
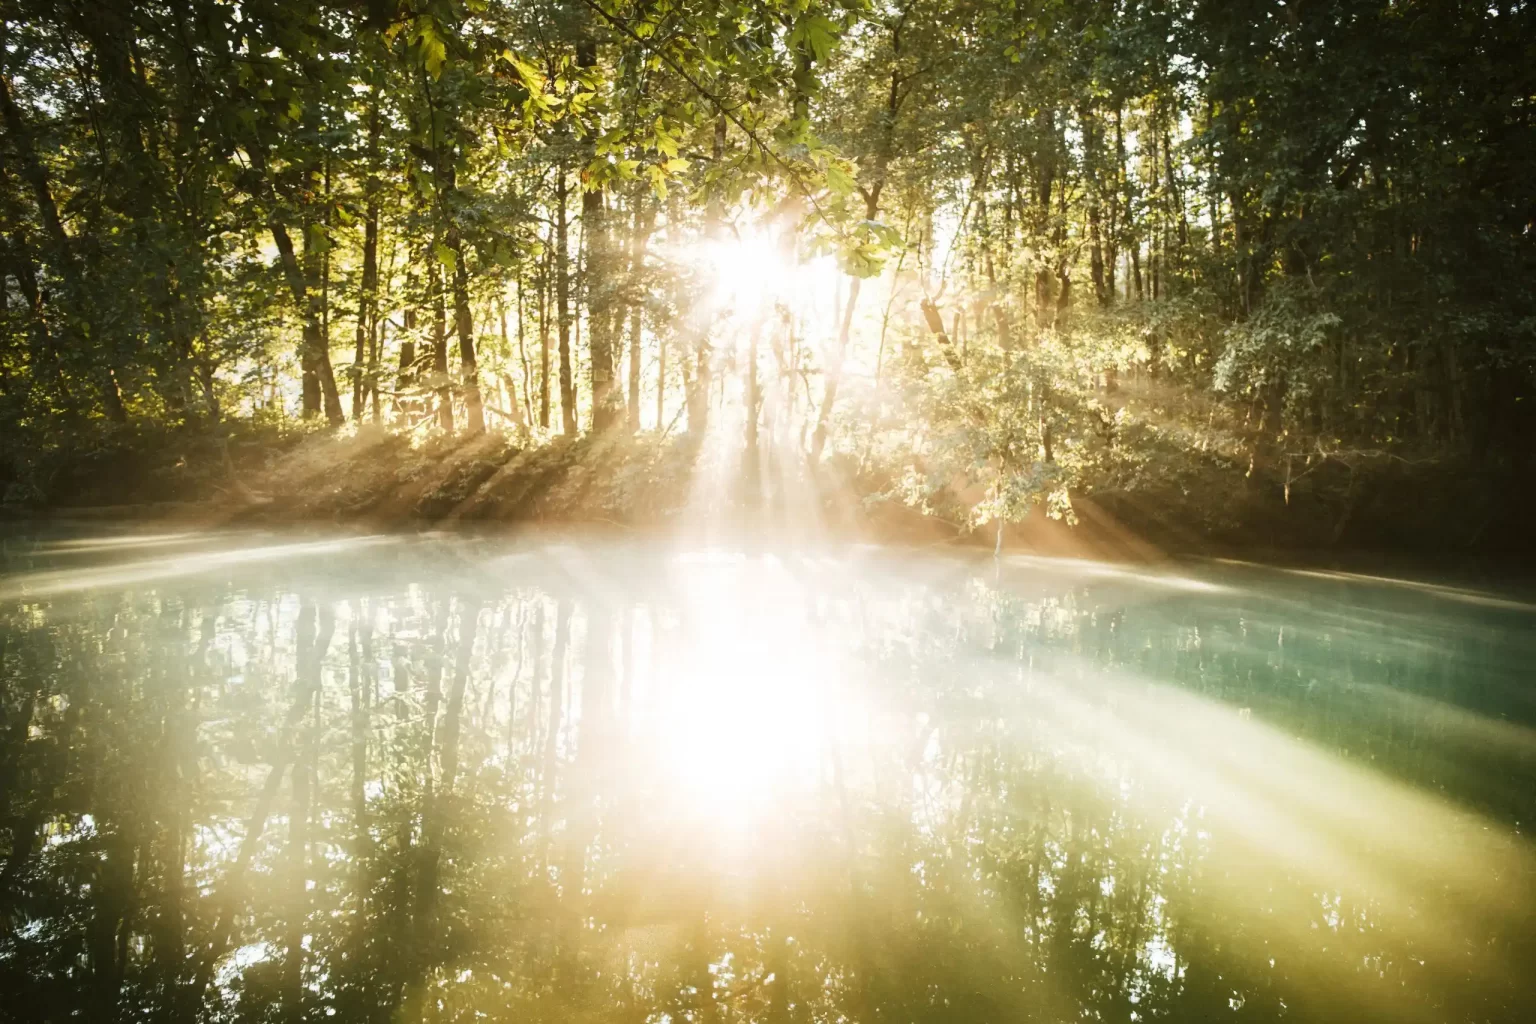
<point>463,316</point>
<point>563,304</point>
<point>935,321</point>
<point>367,302</point>
<point>522,351</point>
<point>754,395</point>
<point>42,346</point>
<point>316,359</point>
<point>325,265</point>
<point>633,405</point>
<point>644,219</point>
<point>599,291</point>
<point>438,807</point>
<point>376,344</point>
<point>834,373</point>
<point>1094,156</point>
<point>515,402</point>
<point>544,286</point>
<point>36,176</point>
<point>714,221</point>
<point>661,384</point>
<point>440,349</point>
<point>464,325</point>
<point>359,676</point>
<point>407,378</point>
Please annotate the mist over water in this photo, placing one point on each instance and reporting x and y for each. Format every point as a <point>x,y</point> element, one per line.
<point>274,777</point>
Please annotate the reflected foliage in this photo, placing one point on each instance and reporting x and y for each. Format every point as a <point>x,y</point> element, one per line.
<point>463,780</point>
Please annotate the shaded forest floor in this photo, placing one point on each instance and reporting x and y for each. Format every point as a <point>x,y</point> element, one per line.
<point>379,480</point>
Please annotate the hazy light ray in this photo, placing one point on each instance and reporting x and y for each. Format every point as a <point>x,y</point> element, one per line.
<point>751,683</point>
<point>1106,570</point>
<point>939,803</point>
<point>129,542</point>
<point>50,583</point>
<point>1462,594</point>
<point>1302,808</point>
<point>1290,803</point>
<point>716,469</point>
<point>1232,813</point>
<point>1476,730</point>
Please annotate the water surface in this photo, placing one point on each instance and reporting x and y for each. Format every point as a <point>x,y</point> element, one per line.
<point>248,777</point>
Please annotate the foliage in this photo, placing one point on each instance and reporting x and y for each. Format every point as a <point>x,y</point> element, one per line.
<point>1292,232</point>
<point>363,779</point>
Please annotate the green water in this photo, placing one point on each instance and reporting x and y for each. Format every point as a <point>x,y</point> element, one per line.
<point>356,779</point>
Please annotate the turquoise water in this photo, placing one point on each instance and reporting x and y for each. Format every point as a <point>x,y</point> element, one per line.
<point>260,777</point>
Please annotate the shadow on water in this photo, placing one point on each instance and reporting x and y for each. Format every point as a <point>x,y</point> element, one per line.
<point>264,778</point>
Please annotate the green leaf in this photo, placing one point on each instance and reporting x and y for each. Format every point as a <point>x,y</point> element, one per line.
<point>529,75</point>
<point>445,256</point>
<point>816,34</point>
<point>434,48</point>
<point>838,180</point>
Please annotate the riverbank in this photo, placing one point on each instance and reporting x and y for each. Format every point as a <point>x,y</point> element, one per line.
<point>375,479</point>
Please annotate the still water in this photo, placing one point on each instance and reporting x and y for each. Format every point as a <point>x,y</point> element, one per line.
<point>254,777</point>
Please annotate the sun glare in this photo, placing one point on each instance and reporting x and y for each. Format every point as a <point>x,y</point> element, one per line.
<point>754,267</point>
<point>750,697</point>
<point>749,270</point>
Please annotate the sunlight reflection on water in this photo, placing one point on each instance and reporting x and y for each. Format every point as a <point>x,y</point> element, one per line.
<point>554,779</point>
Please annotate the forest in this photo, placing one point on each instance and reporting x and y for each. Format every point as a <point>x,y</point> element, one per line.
<point>554,511</point>
<point>1263,268</point>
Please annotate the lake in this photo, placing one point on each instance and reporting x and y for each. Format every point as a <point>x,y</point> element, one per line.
<point>256,777</point>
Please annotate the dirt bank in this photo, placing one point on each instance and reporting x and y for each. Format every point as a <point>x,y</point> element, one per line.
<point>380,480</point>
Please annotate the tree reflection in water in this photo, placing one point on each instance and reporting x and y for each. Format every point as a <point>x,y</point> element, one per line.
<point>446,780</point>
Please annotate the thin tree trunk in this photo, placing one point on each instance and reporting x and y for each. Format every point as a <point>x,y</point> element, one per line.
<point>42,192</point>
<point>325,261</point>
<point>298,905</point>
<point>598,288</point>
<point>312,645</point>
<point>754,392</point>
<point>1101,290</point>
<point>834,373</point>
<point>439,799</point>
<point>522,352</point>
<point>544,304</point>
<point>714,220</point>
<point>375,362</point>
<point>42,346</point>
<point>360,662</point>
<point>314,354</point>
<point>407,378</point>
<point>440,349</point>
<point>302,283</point>
<point>464,325</point>
<point>513,403</point>
<point>368,299</point>
<point>552,735</point>
<point>563,305</point>
<point>644,218</point>
<point>661,384</point>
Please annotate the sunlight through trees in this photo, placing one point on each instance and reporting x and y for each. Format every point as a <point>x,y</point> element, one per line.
<point>978,256</point>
